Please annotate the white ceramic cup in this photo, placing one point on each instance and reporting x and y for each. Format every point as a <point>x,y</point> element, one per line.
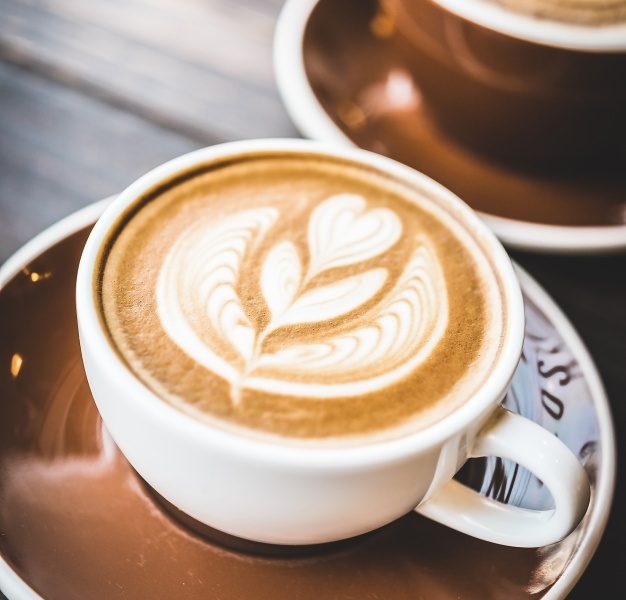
<point>283,493</point>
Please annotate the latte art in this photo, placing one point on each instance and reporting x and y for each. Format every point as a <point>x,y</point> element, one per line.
<point>200,309</point>
<point>301,297</point>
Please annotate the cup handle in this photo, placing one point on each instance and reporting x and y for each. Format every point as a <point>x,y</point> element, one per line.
<point>508,435</point>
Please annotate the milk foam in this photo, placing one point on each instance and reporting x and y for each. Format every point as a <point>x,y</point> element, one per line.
<point>303,298</point>
<point>199,279</point>
<point>590,12</point>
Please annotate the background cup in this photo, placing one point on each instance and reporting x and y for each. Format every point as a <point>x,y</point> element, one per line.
<point>290,493</point>
<point>541,103</point>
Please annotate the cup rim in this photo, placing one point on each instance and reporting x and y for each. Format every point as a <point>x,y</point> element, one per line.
<point>610,38</point>
<point>304,455</point>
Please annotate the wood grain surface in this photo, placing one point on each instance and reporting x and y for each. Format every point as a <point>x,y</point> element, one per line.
<point>93,94</point>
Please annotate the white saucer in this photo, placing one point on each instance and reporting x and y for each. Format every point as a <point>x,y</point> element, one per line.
<point>556,378</point>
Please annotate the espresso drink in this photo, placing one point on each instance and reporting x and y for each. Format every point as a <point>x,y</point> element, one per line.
<point>589,12</point>
<point>304,297</point>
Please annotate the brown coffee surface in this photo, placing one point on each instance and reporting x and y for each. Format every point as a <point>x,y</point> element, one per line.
<point>588,12</point>
<point>302,297</point>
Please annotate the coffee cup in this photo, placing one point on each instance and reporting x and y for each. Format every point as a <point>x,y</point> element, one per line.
<point>295,344</point>
<point>528,91</point>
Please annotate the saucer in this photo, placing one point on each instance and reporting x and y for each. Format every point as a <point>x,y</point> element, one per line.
<point>343,81</point>
<point>77,522</point>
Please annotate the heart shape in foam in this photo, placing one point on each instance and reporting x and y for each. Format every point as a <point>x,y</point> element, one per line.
<point>342,231</point>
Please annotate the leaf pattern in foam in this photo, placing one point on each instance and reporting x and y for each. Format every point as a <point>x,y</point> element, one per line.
<point>198,283</point>
<point>281,276</point>
<point>199,306</point>
<point>395,334</point>
<point>334,300</point>
<point>343,232</point>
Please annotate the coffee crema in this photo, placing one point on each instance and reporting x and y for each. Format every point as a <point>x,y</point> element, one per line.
<point>584,12</point>
<point>302,297</point>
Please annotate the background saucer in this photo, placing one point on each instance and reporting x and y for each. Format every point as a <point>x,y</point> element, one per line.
<point>341,82</point>
<point>76,521</point>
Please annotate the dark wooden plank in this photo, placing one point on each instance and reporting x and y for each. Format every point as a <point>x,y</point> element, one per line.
<point>60,150</point>
<point>203,68</point>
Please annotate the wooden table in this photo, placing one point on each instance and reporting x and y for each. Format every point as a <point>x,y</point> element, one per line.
<point>93,94</point>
